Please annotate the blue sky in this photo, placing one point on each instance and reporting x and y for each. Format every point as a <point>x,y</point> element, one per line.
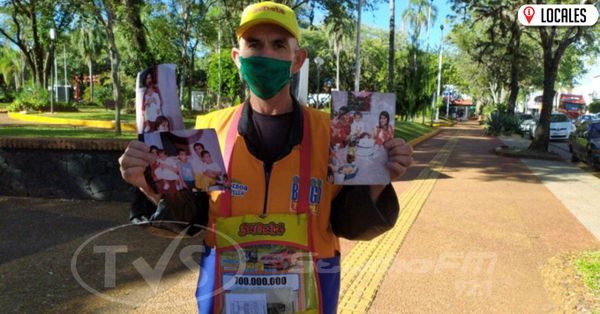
<point>381,18</point>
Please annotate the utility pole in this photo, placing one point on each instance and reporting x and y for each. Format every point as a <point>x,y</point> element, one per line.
<point>65,61</point>
<point>427,62</point>
<point>52,38</point>
<point>391,50</point>
<point>357,72</point>
<point>219,52</point>
<point>439,77</point>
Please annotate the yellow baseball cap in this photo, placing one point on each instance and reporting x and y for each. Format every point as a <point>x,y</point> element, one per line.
<point>269,13</point>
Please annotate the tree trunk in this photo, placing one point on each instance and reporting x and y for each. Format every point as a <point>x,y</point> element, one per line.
<point>141,56</point>
<point>542,131</point>
<point>91,80</point>
<point>514,88</point>
<point>115,60</point>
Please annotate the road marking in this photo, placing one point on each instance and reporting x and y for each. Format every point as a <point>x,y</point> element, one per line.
<point>365,267</point>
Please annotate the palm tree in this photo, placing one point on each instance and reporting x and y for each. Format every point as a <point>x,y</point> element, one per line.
<point>415,16</point>
<point>89,42</point>
<point>10,63</point>
<point>340,28</point>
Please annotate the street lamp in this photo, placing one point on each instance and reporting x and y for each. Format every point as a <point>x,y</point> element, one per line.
<point>319,61</point>
<point>52,38</point>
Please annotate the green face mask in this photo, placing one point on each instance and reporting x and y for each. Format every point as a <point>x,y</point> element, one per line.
<point>266,77</point>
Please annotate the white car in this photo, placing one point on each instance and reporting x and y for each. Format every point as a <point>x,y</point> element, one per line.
<point>560,126</point>
<point>527,122</point>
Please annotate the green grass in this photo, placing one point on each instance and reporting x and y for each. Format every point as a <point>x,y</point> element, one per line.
<point>92,113</point>
<point>406,130</point>
<point>101,114</point>
<point>411,130</point>
<point>65,132</point>
<point>588,265</point>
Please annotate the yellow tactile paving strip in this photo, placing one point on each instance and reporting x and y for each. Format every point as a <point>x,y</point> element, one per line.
<point>85,123</point>
<point>365,267</point>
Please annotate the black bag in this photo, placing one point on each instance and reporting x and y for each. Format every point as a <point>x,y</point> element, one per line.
<point>174,213</point>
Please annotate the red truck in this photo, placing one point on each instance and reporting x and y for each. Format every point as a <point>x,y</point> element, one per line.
<point>572,106</point>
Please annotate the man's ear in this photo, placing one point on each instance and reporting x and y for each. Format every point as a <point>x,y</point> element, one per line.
<point>299,59</point>
<point>235,55</point>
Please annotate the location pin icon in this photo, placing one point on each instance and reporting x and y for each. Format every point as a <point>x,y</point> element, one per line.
<point>528,12</point>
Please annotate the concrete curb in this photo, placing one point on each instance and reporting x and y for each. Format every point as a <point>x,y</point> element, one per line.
<point>499,152</point>
<point>423,138</point>
<point>86,123</point>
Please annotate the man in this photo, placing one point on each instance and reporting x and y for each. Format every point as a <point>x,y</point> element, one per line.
<point>280,206</point>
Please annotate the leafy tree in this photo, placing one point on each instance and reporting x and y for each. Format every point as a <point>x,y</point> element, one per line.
<point>230,82</point>
<point>10,63</point>
<point>105,12</point>
<point>594,106</point>
<point>27,26</point>
<point>554,41</point>
<point>89,42</point>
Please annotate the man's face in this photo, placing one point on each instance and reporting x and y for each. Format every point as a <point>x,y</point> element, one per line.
<point>198,149</point>
<point>269,41</point>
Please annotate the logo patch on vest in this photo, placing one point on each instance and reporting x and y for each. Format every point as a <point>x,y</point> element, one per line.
<point>238,189</point>
<point>257,228</point>
<point>314,199</point>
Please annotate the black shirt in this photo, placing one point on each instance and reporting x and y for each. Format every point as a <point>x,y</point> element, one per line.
<point>273,133</point>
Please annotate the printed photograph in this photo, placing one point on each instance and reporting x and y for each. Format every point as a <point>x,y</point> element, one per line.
<point>186,160</point>
<point>361,122</point>
<point>156,100</point>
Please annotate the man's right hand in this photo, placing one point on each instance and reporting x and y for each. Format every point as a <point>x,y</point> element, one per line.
<point>136,158</point>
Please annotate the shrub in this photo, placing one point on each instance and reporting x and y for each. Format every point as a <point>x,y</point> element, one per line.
<point>498,123</point>
<point>594,106</point>
<point>494,124</point>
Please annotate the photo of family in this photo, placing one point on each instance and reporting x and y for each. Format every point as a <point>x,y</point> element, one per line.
<point>186,160</point>
<point>361,122</point>
<point>157,104</point>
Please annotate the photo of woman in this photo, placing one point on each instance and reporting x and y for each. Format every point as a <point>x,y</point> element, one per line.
<point>151,102</point>
<point>156,100</point>
<point>384,131</point>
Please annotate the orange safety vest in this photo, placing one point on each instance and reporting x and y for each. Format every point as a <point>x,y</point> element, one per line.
<point>249,190</point>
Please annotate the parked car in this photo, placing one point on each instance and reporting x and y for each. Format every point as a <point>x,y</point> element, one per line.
<point>526,124</point>
<point>584,143</point>
<point>584,117</point>
<point>280,258</point>
<point>597,116</point>
<point>560,126</point>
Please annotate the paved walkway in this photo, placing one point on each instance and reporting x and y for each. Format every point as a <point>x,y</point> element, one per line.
<point>578,190</point>
<point>480,238</point>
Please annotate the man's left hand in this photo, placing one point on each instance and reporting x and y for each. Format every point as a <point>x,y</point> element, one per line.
<point>399,157</point>
<point>399,154</point>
